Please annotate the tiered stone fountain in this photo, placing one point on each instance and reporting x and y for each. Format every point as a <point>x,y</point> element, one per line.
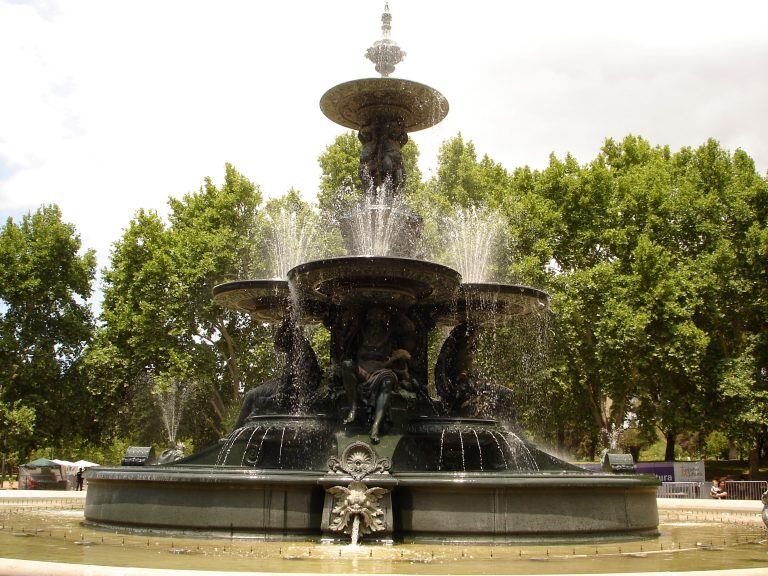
<point>364,451</point>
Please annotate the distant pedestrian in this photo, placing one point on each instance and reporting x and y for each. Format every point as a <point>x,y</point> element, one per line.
<point>79,480</point>
<point>717,491</point>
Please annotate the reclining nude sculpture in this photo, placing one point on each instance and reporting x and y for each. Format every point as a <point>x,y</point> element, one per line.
<point>301,369</point>
<point>375,366</point>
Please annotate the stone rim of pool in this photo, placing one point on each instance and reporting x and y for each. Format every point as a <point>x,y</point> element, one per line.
<point>711,510</point>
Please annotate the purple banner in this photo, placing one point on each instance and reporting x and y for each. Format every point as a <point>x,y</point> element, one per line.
<point>664,470</point>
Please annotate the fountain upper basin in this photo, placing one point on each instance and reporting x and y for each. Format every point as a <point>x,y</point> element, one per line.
<point>380,280</point>
<point>489,302</point>
<point>354,104</point>
<point>263,299</point>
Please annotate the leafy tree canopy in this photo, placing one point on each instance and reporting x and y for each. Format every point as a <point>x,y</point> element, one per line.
<point>45,325</point>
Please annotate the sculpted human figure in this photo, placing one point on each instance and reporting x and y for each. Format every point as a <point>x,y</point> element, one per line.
<point>376,365</point>
<point>175,451</point>
<point>301,367</point>
<point>391,161</point>
<point>452,369</point>
<point>381,158</point>
<point>367,167</point>
<point>463,392</point>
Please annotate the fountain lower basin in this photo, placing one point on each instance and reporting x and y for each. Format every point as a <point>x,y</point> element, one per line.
<point>480,484</point>
<point>434,507</point>
<point>265,300</point>
<point>717,536</point>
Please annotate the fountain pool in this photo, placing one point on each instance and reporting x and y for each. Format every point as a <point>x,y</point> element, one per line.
<point>52,530</point>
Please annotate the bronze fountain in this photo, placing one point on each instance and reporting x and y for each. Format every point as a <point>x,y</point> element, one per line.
<point>366,449</point>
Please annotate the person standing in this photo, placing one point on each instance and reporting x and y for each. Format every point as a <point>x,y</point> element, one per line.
<point>717,491</point>
<point>79,480</point>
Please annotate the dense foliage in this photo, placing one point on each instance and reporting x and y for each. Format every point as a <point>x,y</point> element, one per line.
<point>655,261</point>
<point>45,326</point>
<point>656,266</point>
<point>158,317</point>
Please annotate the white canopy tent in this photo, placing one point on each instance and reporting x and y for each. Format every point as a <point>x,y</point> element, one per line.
<point>68,471</point>
<point>42,474</point>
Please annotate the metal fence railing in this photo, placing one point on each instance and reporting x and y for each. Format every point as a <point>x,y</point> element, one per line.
<point>745,489</point>
<point>736,489</point>
<point>679,490</point>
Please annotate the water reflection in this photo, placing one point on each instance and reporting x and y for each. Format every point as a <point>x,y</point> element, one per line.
<point>54,531</point>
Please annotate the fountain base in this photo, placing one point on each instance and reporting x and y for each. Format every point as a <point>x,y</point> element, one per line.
<point>434,507</point>
<point>487,485</point>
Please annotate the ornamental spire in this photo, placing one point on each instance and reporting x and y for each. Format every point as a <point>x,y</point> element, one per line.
<point>386,22</point>
<point>385,53</point>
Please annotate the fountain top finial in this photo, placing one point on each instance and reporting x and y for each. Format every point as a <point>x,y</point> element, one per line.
<point>385,53</point>
<point>368,101</point>
<point>386,22</point>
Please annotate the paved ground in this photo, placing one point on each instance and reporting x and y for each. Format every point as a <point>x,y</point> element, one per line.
<point>709,505</point>
<point>40,494</point>
<point>34,568</point>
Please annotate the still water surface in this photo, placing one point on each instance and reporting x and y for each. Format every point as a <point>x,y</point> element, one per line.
<point>689,541</point>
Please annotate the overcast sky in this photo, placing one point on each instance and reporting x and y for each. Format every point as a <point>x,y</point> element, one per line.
<point>107,106</point>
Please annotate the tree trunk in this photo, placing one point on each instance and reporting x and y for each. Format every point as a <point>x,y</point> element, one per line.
<point>669,451</point>
<point>220,410</point>
<point>754,460</point>
<point>560,439</point>
<point>733,450</point>
<point>231,362</point>
<point>592,447</point>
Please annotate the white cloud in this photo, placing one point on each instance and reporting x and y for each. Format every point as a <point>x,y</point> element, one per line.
<point>107,107</point>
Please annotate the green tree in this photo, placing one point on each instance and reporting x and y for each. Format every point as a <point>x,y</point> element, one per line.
<point>158,313</point>
<point>18,425</point>
<point>727,210</point>
<point>463,180</point>
<point>45,325</point>
<point>677,303</point>
<point>665,291</point>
